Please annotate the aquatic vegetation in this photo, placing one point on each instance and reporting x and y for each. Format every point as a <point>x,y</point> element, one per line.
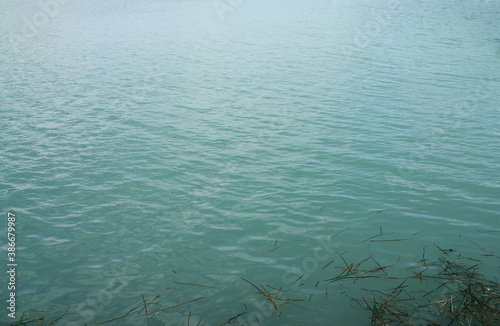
<point>32,317</point>
<point>266,292</point>
<point>449,290</point>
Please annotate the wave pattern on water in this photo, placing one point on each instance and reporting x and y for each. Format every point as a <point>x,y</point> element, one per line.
<point>152,137</point>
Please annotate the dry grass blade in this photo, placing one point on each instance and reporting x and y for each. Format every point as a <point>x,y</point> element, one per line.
<point>235,318</point>
<point>380,267</point>
<point>327,264</point>
<point>269,250</point>
<point>121,317</point>
<point>271,297</point>
<point>145,241</point>
<point>177,305</point>
<point>250,284</point>
<point>400,208</point>
<point>387,240</point>
<point>481,248</point>
<point>28,317</point>
<point>352,271</point>
<point>336,234</point>
<point>276,298</point>
<point>57,320</point>
<point>146,305</point>
<point>203,286</point>
<point>378,235</point>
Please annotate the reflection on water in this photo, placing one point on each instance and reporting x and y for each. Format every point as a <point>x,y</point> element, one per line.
<point>200,142</point>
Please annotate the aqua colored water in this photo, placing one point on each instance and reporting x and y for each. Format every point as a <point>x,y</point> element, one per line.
<point>145,137</point>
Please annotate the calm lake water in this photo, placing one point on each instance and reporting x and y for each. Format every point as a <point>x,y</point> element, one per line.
<point>151,142</point>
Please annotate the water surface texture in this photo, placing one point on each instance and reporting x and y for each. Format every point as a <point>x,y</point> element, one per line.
<point>152,142</point>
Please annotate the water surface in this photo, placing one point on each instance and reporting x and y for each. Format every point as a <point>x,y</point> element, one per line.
<point>143,138</point>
